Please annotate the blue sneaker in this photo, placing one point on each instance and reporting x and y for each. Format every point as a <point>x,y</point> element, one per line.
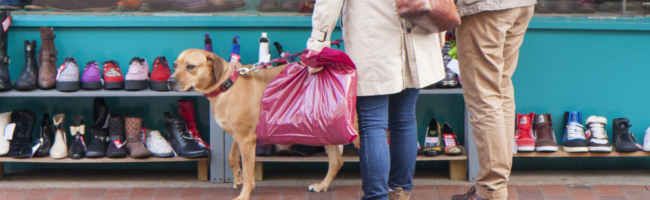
<point>574,139</point>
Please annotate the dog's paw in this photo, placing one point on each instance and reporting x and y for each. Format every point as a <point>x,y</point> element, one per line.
<point>241,198</point>
<point>236,186</point>
<point>317,187</point>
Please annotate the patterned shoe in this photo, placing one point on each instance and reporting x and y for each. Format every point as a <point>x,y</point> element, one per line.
<point>67,78</point>
<point>113,79</point>
<point>138,75</point>
<point>91,79</point>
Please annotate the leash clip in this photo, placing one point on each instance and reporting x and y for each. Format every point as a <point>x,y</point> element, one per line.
<point>243,71</point>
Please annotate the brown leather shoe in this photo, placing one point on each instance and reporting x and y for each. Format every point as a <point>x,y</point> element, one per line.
<point>47,59</point>
<point>135,138</point>
<point>543,127</point>
<point>399,194</point>
<point>470,195</point>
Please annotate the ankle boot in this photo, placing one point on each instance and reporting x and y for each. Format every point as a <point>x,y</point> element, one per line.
<point>47,59</point>
<point>27,80</point>
<point>180,138</point>
<point>624,139</point>
<point>59,148</point>
<point>98,137</point>
<point>5,119</point>
<point>21,142</point>
<point>101,113</point>
<point>135,138</point>
<point>5,82</point>
<point>117,144</point>
<point>77,148</point>
<point>186,109</point>
<point>45,140</point>
<point>399,194</point>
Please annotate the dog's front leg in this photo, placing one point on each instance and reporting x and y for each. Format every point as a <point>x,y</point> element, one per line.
<point>335,158</point>
<point>235,165</point>
<point>246,144</point>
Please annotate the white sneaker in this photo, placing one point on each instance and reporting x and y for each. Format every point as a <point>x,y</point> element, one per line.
<point>157,145</point>
<point>59,148</point>
<point>646,140</point>
<point>5,119</point>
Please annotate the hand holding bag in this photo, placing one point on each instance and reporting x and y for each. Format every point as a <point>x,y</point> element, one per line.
<point>430,16</point>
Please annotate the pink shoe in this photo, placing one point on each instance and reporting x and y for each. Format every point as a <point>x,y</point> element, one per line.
<point>138,75</point>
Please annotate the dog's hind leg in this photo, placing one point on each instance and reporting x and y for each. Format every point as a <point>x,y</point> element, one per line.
<point>246,143</point>
<point>235,165</point>
<point>335,158</point>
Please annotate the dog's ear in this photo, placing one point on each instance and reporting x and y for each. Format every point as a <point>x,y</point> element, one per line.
<point>218,65</point>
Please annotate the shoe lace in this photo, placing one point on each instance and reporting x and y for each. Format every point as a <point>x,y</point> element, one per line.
<point>597,130</point>
<point>181,127</point>
<point>575,130</point>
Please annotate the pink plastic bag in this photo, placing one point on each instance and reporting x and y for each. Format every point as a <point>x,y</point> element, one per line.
<point>311,109</point>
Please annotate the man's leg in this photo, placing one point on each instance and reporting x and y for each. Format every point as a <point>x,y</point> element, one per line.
<point>481,40</point>
<point>514,39</point>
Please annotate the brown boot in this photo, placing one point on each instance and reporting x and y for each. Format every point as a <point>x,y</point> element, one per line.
<point>135,138</point>
<point>470,195</point>
<point>399,194</point>
<point>47,59</point>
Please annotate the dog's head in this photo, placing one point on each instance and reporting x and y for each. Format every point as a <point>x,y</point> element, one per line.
<point>198,69</point>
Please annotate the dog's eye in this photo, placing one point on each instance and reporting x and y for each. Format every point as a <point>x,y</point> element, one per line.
<point>190,67</point>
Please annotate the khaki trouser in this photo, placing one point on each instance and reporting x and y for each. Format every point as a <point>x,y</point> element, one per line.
<point>488,52</point>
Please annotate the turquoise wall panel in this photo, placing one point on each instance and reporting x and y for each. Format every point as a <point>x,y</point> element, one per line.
<point>591,65</point>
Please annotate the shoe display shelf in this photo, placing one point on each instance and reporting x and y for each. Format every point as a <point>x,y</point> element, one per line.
<point>563,154</point>
<point>204,165</point>
<point>462,167</point>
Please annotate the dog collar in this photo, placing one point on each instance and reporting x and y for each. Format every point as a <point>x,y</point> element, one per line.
<point>225,85</point>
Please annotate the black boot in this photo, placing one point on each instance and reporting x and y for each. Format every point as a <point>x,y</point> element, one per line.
<point>99,132</point>
<point>5,81</point>
<point>181,139</point>
<point>117,143</point>
<point>623,139</point>
<point>27,80</point>
<point>21,143</point>
<point>101,114</point>
<point>77,148</point>
<point>46,135</point>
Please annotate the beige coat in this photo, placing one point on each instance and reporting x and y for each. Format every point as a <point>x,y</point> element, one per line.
<point>388,57</point>
<point>470,7</point>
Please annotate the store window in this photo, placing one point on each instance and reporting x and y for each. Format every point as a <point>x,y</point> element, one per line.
<point>593,7</point>
<point>194,6</point>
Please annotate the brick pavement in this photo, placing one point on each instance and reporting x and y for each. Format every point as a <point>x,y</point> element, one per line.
<point>546,192</point>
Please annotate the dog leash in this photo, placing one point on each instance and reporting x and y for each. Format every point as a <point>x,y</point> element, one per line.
<point>278,61</point>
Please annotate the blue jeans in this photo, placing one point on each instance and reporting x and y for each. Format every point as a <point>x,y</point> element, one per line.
<point>383,167</point>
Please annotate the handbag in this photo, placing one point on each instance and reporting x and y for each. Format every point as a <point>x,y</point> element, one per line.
<point>430,16</point>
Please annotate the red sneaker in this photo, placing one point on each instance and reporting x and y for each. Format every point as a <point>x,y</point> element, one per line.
<point>160,74</point>
<point>524,135</point>
<point>113,78</point>
<point>186,109</point>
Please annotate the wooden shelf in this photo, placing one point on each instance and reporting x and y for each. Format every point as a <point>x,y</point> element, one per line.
<point>346,158</point>
<point>100,160</point>
<point>97,93</point>
<point>562,154</point>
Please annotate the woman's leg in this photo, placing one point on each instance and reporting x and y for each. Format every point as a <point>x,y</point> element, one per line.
<point>403,138</point>
<point>375,160</point>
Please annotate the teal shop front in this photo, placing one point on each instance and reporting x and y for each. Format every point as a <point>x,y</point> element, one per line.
<point>593,65</point>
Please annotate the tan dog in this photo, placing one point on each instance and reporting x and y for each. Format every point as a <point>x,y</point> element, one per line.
<point>236,110</point>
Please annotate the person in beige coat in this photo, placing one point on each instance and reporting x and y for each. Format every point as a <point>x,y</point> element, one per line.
<point>488,42</point>
<point>393,61</point>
